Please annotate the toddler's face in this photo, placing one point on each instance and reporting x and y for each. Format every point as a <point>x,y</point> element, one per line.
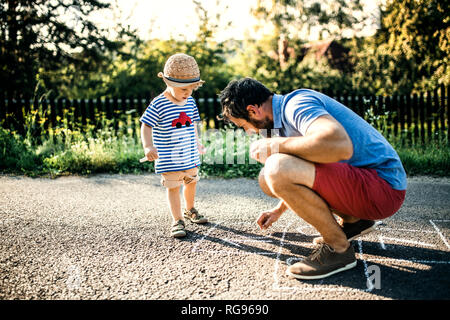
<point>182,93</point>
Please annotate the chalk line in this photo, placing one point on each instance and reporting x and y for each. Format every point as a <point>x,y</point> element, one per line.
<point>439,231</point>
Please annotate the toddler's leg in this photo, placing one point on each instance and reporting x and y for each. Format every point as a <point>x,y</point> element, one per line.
<point>189,194</point>
<point>173,196</point>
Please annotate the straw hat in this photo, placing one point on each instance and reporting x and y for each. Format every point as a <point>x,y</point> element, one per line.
<point>181,70</point>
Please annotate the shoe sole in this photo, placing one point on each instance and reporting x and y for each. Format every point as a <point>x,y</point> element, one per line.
<point>198,222</point>
<point>321,276</point>
<point>178,234</point>
<point>368,230</point>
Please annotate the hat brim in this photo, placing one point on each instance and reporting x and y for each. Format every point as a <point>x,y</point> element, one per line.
<point>184,84</point>
<point>178,83</point>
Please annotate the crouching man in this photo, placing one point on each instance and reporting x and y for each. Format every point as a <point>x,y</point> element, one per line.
<point>327,160</point>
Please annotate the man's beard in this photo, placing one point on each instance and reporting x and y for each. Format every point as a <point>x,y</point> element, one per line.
<point>266,125</point>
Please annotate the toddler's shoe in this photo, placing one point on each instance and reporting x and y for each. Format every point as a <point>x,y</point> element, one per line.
<point>178,229</point>
<point>194,216</point>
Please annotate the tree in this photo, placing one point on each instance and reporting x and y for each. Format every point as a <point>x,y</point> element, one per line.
<point>40,36</point>
<point>279,59</point>
<point>300,18</point>
<point>415,34</point>
<point>409,53</point>
<point>136,73</point>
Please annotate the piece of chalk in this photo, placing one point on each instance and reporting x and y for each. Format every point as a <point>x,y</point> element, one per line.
<point>143,160</point>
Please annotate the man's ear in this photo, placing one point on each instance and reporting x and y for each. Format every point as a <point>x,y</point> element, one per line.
<point>253,110</point>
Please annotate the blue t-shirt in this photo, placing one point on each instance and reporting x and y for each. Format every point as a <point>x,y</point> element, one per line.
<point>294,112</point>
<point>173,133</point>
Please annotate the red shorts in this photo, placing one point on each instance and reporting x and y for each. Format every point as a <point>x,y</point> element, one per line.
<point>356,191</point>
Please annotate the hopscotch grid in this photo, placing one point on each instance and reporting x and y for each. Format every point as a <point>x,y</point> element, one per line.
<point>263,239</point>
<point>365,260</point>
<point>439,231</point>
<point>277,287</point>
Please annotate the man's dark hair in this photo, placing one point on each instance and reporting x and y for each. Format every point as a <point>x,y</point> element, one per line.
<point>239,94</point>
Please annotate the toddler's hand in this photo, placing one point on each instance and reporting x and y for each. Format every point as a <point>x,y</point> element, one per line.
<point>151,153</point>
<point>201,148</point>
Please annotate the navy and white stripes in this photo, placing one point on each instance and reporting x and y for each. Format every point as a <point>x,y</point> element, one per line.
<point>173,133</point>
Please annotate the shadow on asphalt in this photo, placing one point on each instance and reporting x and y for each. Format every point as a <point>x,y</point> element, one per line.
<point>406,273</point>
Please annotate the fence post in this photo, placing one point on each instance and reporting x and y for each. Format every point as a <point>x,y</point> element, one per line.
<point>123,117</point>
<point>415,117</point>
<point>348,102</point>
<point>52,117</point>
<point>402,112</point>
<point>108,110</point>
<point>45,114</point>
<point>132,117</point>
<point>208,110</point>
<point>83,112</point>
<point>442,110</point>
<point>396,114</point>
<point>360,106</point>
<point>436,112</point>
<point>68,105</point>
<point>76,111</point>
<point>2,107</point>
<point>115,106</point>
<point>448,114</point>
<point>10,111</point>
<point>353,103</point>
<point>330,93</point>
<point>60,112</point>
<point>28,114</point>
<point>216,106</point>
<point>385,103</point>
<point>422,116</point>
<point>91,113</point>
<point>140,106</point>
<point>407,99</point>
<point>429,115</point>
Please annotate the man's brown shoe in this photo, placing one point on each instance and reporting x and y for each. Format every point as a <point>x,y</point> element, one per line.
<point>323,262</point>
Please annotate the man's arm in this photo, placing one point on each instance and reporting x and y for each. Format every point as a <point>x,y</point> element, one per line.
<point>267,218</point>
<point>325,141</point>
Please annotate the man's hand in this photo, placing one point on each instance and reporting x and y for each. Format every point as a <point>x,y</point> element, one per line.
<point>267,218</point>
<point>151,153</point>
<point>261,149</point>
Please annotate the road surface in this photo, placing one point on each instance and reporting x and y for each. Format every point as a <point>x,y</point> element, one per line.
<point>106,237</point>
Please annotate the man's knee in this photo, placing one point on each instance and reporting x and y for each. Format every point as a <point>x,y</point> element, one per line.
<point>275,171</point>
<point>282,169</point>
<point>263,184</point>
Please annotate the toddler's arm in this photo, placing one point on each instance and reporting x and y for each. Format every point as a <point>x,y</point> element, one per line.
<point>201,148</point>
<point>151,153</point>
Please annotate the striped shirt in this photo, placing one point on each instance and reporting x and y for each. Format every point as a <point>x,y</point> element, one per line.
<point>173,133</point>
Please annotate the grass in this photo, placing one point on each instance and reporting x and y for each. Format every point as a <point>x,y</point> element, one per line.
<point>427,159</point>
<point>76,149</point>
<point>71,152</point>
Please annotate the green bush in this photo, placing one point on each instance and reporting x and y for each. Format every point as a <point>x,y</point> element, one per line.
<point>16,155</point>
<point>103,151</point>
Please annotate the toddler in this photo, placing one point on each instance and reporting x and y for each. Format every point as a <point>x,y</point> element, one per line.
<point>170,138</point>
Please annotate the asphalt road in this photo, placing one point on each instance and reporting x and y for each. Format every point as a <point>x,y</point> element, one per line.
<point>106,237</point>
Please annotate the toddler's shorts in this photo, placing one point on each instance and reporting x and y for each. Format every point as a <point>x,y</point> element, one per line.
<point>174,179</point>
